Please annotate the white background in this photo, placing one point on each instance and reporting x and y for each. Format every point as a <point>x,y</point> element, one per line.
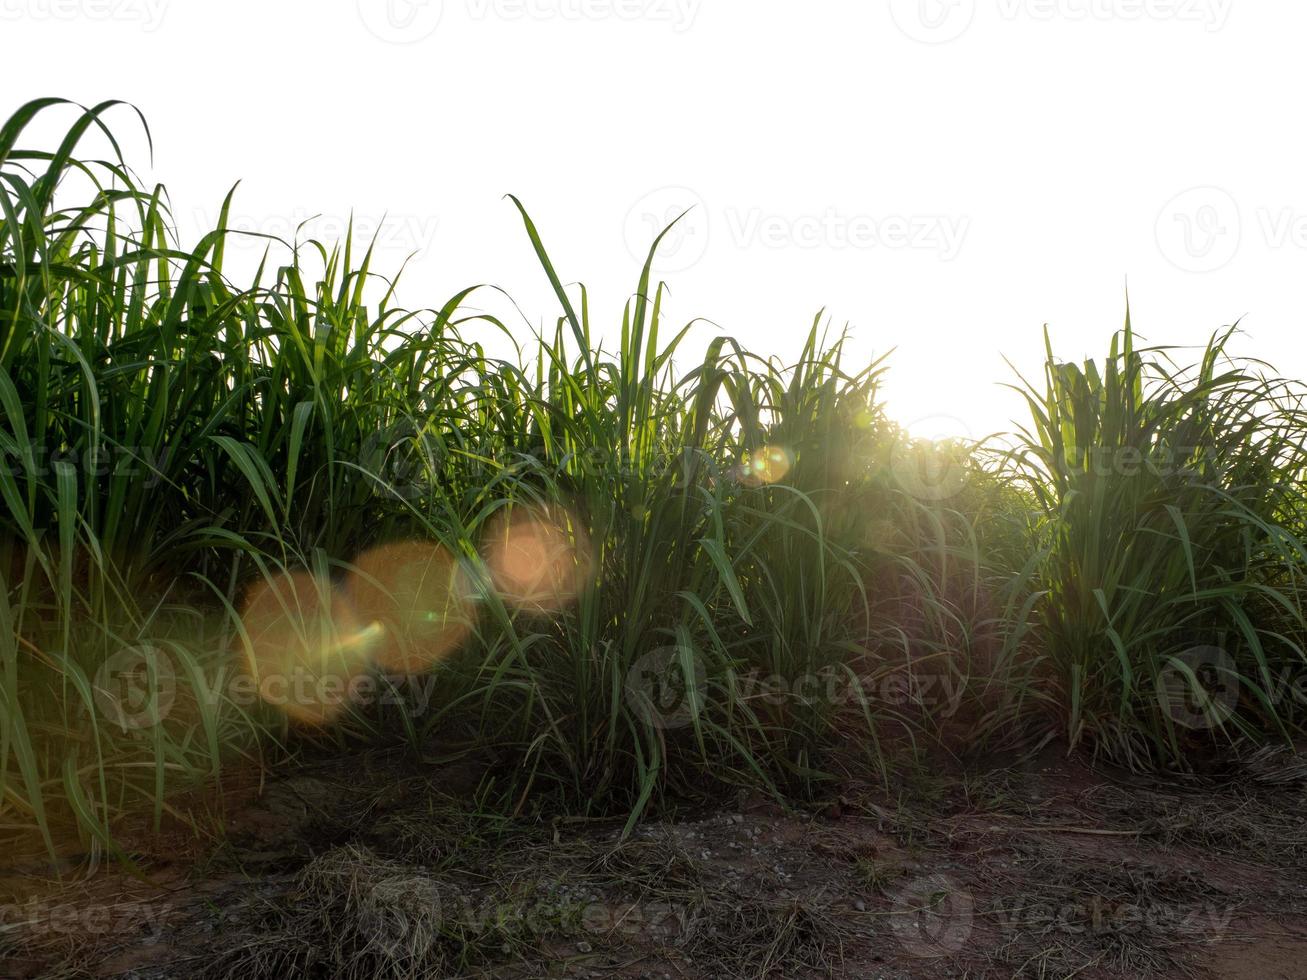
<point>944,176</point>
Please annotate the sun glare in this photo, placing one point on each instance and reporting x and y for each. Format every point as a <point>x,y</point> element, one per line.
<point>766,465</point>
<point>304,648</point>
<point>418,596</point>
<point>538,558</point>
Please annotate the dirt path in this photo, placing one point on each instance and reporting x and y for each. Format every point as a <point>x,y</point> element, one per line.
<point>380,866</point>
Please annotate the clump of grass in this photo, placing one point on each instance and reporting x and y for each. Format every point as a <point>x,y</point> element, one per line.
<point>726,539</point>
<point>355,915</point>
<point>172,439</point>
<point>1166,577</point>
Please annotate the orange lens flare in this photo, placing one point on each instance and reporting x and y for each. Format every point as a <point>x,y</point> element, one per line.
<point>539,560</point>
<point>766,464</point>
<point>418,597</point>
<point>304,647</point>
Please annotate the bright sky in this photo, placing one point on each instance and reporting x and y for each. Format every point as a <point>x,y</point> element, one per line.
<point>945,176</point>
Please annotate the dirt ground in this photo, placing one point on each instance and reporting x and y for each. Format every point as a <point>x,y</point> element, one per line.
<point>380,865</point>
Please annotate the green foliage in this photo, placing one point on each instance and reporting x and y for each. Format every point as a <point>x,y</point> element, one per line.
<point>774,582</point>
<point>1169,557</point>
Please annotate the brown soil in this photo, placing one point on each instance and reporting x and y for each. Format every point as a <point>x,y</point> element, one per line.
<point>382,865</point>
